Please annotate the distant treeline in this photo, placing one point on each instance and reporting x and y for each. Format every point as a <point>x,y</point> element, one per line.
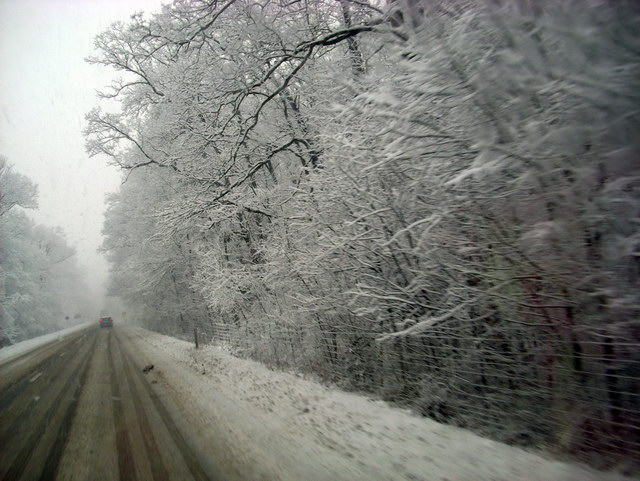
<point>41,284</point>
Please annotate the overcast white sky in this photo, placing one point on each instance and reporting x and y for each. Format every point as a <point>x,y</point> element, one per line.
<point>45,90</point>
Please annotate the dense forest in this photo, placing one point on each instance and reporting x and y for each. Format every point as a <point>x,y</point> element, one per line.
<point>42,287</point>
<point>434,202</point>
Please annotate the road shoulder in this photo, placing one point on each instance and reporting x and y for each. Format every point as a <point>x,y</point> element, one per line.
<point>263,425</point>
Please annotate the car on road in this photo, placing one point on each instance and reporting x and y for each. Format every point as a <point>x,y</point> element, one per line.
<point>106,322</point>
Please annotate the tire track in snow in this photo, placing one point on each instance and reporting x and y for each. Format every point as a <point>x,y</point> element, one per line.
<point>125,459</point>
<point>197,470</point>
<point>158,469</point>
<point>44,421</point>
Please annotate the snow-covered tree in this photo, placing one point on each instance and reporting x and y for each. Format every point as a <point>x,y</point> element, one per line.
<point>41,285</point>
<point>433,201</point>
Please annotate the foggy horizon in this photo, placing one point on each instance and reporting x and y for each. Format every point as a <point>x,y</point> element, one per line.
<point>46,89</point>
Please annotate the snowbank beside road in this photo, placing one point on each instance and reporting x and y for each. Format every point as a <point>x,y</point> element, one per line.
<point>9,352</point>
<point>265,425</point>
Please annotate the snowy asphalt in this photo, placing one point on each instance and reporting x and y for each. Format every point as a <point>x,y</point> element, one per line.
<point>77,406</point>
<point>80,408</point>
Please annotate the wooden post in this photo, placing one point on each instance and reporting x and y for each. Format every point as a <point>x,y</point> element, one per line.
<point>195,335</point>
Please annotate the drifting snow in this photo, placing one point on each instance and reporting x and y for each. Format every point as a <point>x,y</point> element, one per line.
<point>276,426</point>
<point>9,352</point>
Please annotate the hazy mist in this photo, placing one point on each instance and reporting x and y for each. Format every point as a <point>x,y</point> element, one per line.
<point>46,88</point>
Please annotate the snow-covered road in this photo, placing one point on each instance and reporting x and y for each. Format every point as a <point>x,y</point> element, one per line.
<point>77,409</point>
<point>87,406</point>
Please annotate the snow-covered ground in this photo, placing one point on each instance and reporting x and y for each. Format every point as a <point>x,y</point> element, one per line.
<point>268,425</point>
<point>14,350</point>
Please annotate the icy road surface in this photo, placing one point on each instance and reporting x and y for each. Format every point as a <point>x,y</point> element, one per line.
<point>79,407</point>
